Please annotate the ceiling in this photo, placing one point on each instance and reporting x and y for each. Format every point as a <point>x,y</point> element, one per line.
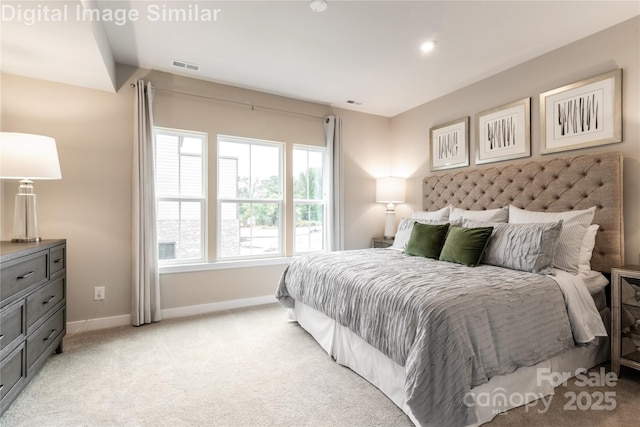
<point>368,51</point>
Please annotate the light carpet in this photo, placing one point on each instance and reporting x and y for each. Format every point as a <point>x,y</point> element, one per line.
<point>248,367</point>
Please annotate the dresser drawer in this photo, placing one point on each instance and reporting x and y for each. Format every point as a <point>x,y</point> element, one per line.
<point>43,300</point>
<point>12,326</point>
<point>57,261</point>
<point>20,274</point>
<point>11,371</point>
<point>43,336</point>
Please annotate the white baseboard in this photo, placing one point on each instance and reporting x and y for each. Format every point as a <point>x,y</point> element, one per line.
<point>169,313</point>
<point>99,323</point>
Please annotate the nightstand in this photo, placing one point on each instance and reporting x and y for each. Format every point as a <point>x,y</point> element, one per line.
<point>625,317</point>
<point>381,242</point>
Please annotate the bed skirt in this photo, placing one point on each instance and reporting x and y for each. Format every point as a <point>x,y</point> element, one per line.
<point>524,386</point>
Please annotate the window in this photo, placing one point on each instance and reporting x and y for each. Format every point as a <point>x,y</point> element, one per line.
<point>309,199</point>
<point>181,195</point>
<point>250,198</point>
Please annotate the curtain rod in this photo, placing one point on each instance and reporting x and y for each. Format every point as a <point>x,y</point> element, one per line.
<point>230,101</point>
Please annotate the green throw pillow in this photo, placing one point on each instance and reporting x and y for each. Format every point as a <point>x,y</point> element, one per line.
<point>426,240</point>
<point>465,245</point>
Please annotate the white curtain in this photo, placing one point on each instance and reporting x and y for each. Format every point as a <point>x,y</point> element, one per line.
<point>333,135</point>
<point>145,296</point>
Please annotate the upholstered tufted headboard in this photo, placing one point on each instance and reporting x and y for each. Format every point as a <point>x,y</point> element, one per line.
<point>553,185</point>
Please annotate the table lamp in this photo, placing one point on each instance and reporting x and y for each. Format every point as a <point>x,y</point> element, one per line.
<point>27,157</point>
<point>390,189</point>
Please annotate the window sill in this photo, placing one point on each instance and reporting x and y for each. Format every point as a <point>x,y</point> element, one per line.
<point>224,265</point>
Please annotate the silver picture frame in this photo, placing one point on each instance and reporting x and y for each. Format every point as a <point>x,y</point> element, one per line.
<point>583,114</point>
<point>504,132</point>
<point>449,145</point>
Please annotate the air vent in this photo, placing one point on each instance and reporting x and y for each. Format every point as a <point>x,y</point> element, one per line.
<point>354,102</point>
<point>182,64</point>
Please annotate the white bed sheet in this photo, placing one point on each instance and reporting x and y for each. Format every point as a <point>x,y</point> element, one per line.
<point>496,396</point>
<point>586,323</point>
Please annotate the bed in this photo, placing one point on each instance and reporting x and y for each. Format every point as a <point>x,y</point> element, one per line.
<point>456,345</point>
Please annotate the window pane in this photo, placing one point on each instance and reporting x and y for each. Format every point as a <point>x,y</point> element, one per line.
<point>191,146</point>
<point>190,176</point>
<point>168,228</point>
<point>309,227</point>
<point>307,174</point>
<point>190,244</point>
<point>249,229</point>
<point>167,170</point>
<point>228,177</point>
<point>229,230</point>
<point>241,154</point>
<point>300,166</point>
<point>256,172</point>
<point>265,172</point>
<point>315,175</point>
<point>179,230</point>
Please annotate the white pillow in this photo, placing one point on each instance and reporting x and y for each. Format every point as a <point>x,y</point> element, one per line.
<point>526,247</point>
<point>406,227</point>
<point>586,249</point>
<point>439,215</point>
<point>574,227</point>
<point>489,215</point>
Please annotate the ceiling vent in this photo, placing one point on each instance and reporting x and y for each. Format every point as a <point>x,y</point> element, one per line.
<point>354,102</point>
<point>186,65</point>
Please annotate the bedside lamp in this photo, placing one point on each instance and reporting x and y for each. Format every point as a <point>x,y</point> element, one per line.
<point>25,157</point>
<point>390,190</point>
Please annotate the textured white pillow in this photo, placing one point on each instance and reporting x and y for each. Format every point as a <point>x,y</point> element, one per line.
<point>406,227</point>
<point>439,215</point>
<point>525,247</point>
<point>586,249</point>
<point>489,215</point>
<point>574,227</point>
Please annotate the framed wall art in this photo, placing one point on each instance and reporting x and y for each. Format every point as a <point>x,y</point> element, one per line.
<point>504,132</point>
<point>450,145</point>
<point>583,114</point>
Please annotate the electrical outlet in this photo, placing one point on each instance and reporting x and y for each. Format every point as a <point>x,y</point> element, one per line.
<point>98,293</point>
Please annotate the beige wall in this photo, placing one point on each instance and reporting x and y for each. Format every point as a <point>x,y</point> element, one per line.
<point>91,205</point>
<point>616,47</point>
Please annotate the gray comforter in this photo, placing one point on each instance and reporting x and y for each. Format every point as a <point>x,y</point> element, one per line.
<point>451,327</point>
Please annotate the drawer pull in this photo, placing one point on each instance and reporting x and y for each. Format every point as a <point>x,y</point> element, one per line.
<point>51,298</point>
<point>53,332</point>
<point>29,274</point>
<point>57,260</point>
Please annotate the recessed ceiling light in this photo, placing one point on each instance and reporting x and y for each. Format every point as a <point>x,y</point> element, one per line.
<point>428,46</point>
<point>318,5</point>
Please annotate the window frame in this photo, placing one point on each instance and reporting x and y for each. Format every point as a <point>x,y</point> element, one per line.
<point>324,201</point>
<point>281,201</point>
<point>203,200</point>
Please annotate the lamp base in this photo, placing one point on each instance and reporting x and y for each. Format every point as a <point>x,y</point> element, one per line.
<point>25,220</point>
<point>389,224</point>
<point>27,240</point>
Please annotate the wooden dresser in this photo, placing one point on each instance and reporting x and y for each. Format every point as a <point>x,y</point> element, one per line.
<point>32,311</point>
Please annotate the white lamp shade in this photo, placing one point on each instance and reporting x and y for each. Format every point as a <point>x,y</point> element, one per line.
<point>24,155</point>
<point>390,189</point>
